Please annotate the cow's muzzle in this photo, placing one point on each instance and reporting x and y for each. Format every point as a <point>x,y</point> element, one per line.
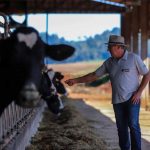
<point>29,96</point>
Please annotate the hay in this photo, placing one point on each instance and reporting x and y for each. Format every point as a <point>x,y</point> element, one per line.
<point>69,131</point>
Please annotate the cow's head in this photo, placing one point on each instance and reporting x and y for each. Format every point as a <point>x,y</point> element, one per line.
<point>56,78</point>
<point>21,57</point>
<point>49,94</point>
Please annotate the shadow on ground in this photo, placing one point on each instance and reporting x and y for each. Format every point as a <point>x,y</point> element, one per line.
<point>102,125</point>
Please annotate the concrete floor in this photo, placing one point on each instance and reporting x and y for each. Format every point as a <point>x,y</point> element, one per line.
<point>100,116</point>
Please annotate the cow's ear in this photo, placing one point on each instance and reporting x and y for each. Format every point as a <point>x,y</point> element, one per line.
<point>59,52</point>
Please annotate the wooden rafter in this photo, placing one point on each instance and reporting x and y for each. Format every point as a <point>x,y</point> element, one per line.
<point>57,6</point>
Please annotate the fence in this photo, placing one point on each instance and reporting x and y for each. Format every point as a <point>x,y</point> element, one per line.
<point>17,125</point>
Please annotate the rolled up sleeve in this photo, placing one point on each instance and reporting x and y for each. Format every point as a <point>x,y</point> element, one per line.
<point>142,69</point>
<point>101,70</point>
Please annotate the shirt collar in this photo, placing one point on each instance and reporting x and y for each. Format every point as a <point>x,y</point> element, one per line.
<point>125,55</point>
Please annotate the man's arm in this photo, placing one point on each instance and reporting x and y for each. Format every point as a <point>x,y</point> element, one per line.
<point>84,79</point>
<point>144,82</point>
<point>137,94</point>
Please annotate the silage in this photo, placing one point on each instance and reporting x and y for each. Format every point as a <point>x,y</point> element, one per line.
<point>69,131</point>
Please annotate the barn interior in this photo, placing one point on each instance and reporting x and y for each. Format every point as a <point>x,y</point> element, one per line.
<point>135,21</point>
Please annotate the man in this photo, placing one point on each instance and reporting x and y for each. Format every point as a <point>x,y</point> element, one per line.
<point>124,69</point>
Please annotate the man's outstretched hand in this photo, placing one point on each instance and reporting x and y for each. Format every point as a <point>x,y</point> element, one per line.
<point>70,82</point>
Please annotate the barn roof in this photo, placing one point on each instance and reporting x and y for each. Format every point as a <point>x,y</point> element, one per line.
<point>65,6</point>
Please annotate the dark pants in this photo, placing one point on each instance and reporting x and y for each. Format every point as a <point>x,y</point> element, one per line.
<point>127,115</point>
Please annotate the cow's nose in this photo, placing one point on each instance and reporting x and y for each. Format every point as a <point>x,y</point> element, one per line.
<point>29,96</point>
<point>30,86</point>
<point>53,91</point>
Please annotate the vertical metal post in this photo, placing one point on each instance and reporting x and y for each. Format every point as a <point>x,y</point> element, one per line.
<point>47,27</point>
<point>139,42</point>
<point>131,42</point>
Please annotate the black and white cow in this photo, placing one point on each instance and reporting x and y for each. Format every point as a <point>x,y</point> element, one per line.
<point>21,56</point>
<point>56,78</point>
<point>50,95</point>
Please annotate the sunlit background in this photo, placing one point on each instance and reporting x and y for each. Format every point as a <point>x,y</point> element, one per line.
<point>86,32</point>
<point>73,26</point>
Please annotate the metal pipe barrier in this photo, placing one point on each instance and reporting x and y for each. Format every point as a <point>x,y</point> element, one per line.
<point>17,125</point>
<point>5,26</point>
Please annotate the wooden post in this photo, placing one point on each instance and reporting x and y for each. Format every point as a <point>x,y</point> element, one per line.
<point>126,29</point>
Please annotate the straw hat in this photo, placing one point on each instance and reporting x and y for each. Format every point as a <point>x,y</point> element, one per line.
<point>116,40</point>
